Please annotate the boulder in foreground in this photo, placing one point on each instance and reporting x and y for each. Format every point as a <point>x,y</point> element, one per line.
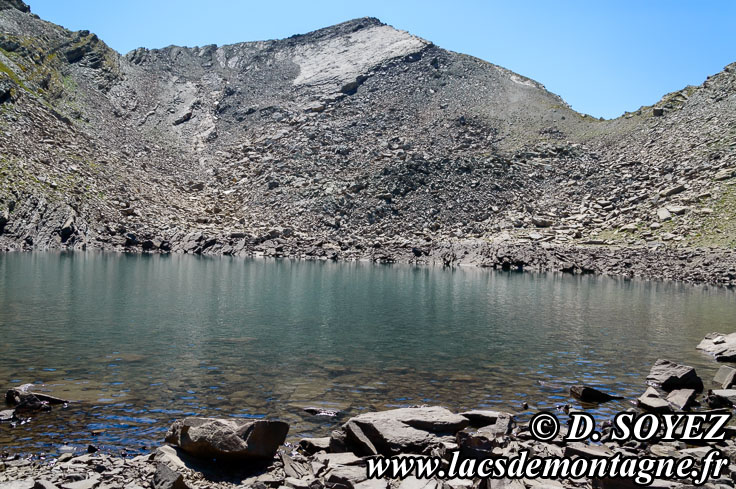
<point>405,430</point>
<point>228,439</point>
<point>670,376</point>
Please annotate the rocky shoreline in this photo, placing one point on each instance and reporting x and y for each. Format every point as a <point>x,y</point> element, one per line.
<point>229,453</point>
<point>712,266</point>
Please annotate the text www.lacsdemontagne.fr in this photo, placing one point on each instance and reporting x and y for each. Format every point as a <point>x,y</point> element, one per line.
<point>642,470</point>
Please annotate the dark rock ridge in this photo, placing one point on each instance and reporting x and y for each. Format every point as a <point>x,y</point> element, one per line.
<point>14,4</point>
<point>357,141</point>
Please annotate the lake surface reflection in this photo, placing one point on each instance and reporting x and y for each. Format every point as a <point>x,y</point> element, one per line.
<point>138,341</point>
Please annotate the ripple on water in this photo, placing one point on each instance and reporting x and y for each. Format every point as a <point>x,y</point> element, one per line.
<point>136,344</point>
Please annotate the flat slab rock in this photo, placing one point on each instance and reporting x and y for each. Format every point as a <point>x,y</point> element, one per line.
<point>727,394</point>
<point>228,438</point>
<point>670,376</point>
<point>405,430</point>
<point>681,399</point>
<point>651,401</point>
<point>726,376</point>
<point>314,445</point>
<point>19,484</point>
<point>721,346</point>
<point>334,459</point>
<point>479,417</point>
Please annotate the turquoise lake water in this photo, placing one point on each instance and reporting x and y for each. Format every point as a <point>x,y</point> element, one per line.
<point>137,341</point>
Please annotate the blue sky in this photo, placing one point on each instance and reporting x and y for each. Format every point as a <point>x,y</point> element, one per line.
<point>603,58</point>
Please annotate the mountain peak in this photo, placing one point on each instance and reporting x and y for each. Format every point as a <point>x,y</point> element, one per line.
<point>341,28</point>
<point>341,53</point>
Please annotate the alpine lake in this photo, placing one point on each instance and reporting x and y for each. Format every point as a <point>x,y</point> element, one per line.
<point>137,341</point>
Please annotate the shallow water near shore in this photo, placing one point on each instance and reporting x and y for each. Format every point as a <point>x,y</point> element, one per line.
<point>137,341</point>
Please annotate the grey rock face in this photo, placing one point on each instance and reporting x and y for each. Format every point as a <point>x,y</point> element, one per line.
<point>228,439</point>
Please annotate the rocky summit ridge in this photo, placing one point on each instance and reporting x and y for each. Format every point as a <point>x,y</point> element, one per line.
<point>357,141</point>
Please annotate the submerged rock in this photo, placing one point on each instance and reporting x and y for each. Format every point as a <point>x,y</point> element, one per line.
<point>30,404</point>
<point>228,438</point>
<point>316,411</point>
<point>586,393</point>
<point>16,396</point>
